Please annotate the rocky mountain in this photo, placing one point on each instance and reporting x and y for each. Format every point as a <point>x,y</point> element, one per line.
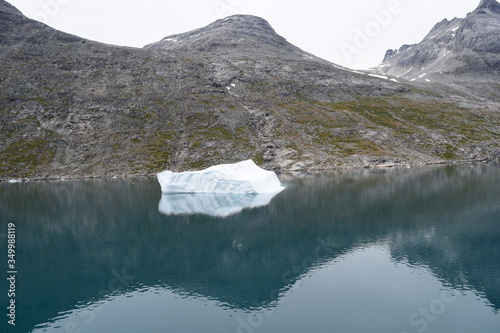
<point>469,48</point>
<point>229,36</point>
<point>71,107</point>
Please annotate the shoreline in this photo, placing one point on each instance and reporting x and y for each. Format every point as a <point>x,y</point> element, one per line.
<point>8,180</point>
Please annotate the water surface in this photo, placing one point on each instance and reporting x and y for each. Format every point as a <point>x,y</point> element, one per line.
<point>397,250</point>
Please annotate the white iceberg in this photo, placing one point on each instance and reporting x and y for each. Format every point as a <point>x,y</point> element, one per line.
<point>212,204</point>
<point>244,177</point>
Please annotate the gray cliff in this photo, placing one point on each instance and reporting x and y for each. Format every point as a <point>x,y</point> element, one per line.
<point>468,47</point>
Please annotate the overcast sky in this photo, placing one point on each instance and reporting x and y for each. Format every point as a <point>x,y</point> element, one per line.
<point>351,33</point>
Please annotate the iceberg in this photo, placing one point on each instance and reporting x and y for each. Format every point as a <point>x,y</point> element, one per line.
<point>243,178</point>
<point>212,204</point>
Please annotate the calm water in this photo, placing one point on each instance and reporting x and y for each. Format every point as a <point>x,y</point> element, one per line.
<point>413,250</point>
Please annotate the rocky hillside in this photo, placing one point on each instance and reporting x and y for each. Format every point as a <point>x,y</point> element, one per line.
<point>233,90</point>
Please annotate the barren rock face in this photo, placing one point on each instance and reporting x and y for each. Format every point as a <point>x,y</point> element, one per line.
<point>468,46</point>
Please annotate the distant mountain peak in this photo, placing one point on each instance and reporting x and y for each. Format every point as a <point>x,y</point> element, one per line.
<point>240,19</point>
<point>491,5</point>
<point>236,34</point>
<point>468,46</point>
<point>239,24</point>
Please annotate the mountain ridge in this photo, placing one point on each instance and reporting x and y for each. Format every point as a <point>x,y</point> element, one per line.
<point>454,47</point>
<point>70,107</point>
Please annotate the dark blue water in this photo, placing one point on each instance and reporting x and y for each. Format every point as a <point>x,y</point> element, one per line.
<point>399,250</point>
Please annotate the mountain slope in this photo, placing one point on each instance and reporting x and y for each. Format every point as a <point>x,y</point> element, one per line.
<point>230,91</point>
<point>468,47</point>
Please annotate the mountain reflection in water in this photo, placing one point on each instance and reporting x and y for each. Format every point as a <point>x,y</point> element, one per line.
<point>81,242</point>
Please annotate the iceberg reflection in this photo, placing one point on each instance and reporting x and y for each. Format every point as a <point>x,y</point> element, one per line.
<point>212,204</point>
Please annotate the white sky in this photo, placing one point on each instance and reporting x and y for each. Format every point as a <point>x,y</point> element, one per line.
<point>348,33</point>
